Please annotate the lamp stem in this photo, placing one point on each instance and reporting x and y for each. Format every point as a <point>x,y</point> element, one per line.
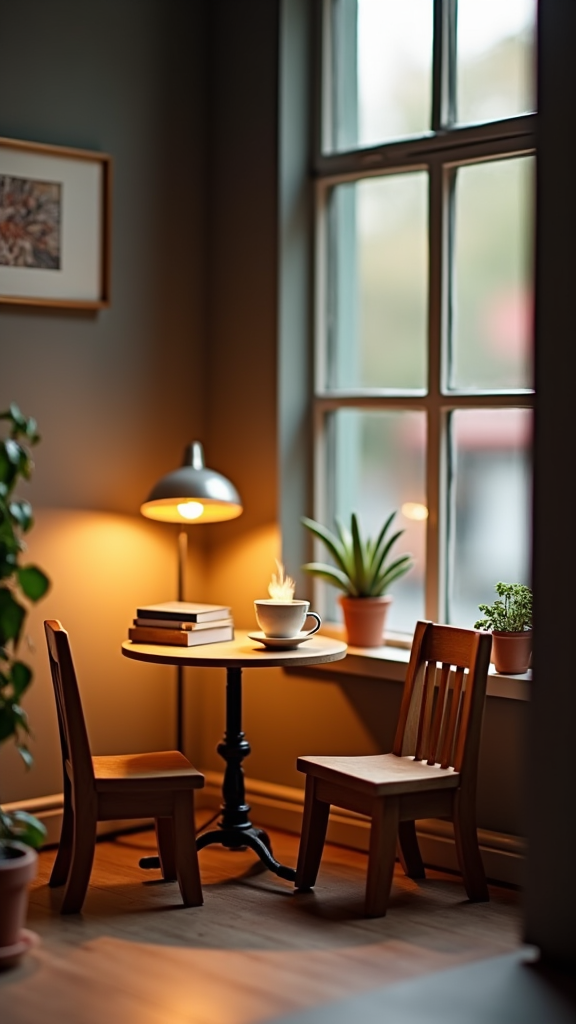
<point>182,556</point>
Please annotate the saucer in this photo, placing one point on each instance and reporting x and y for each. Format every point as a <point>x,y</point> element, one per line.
<point>285,643</point>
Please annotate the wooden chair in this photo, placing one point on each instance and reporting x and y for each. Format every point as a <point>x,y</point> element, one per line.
<point>158,785</point>
<point>431,772</point>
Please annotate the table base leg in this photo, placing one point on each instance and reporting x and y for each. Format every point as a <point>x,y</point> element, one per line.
<point>235,830</point>
<point>255,839</point>
<point>237,839</point>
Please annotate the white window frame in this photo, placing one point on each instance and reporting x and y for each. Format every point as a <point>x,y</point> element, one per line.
<point>438,152</point>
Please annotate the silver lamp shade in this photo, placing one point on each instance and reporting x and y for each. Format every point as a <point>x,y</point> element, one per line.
<point>193,493</point>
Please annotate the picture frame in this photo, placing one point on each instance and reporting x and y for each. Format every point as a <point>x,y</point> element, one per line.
<point>55,225</point>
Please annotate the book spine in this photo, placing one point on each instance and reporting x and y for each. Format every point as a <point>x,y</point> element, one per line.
<point>180,637</point>
<point>190,616</point>
<point>178,624</point>
<point>216,636</point>
<point>150,635</point>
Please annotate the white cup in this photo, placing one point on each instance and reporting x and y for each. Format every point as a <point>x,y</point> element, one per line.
<point>284,618</point>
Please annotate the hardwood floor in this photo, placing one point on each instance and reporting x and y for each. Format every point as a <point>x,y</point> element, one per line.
<point>253,952</point>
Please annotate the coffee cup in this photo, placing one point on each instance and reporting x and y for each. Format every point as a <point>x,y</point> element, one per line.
<point>284,619</point>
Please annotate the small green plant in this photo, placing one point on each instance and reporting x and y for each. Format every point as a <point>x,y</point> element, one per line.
<point>363,567</point>
<point>511,613</point>
<point>19,585</point>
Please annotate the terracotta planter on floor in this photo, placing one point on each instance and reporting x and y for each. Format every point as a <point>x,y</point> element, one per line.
<point>365,619</point>
<point>511,652</point>
<point>16,873</point>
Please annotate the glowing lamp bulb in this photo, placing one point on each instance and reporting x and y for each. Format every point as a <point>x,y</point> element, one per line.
<point>190,509</point>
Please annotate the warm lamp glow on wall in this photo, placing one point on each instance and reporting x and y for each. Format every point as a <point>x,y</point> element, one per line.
<point>189,496</point>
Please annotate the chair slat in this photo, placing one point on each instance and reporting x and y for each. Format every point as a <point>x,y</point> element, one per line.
<point>468,736</point>
<point>407,727</point>
<point>438,713</point>
<point>448,742</point>
<point>462,727</point>
<point>425,713</point>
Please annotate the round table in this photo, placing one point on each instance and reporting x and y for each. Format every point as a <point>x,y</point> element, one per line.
<point>235,830</point>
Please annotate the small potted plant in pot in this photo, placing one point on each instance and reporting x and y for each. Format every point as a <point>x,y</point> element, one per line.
<point>510,619</point>
<point>363,570</point>
<point>20,833</point>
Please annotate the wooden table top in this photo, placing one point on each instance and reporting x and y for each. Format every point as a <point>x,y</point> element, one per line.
<point>239,653</point>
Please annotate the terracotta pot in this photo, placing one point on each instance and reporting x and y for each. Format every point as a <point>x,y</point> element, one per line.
<point>365,618</point>
<point>511,652</point>
<point>16,872</point>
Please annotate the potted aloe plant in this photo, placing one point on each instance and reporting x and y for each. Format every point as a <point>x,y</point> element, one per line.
<point>363,569</point>
<point>20,833</point>
<point>510,620</point>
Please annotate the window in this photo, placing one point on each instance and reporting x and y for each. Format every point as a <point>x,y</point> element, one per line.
<point>424,196</point>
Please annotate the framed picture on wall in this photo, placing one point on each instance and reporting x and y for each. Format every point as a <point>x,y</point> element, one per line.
<point>55,221</point>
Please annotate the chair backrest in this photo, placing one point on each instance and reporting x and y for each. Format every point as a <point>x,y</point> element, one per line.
<point>71,724</point>
<point>444,694</point>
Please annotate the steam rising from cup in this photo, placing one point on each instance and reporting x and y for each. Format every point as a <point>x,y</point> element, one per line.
<point>281,587</point>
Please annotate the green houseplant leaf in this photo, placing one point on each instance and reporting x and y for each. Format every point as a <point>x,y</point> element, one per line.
<point>21,827</point>
<point>12,615</point>
<point>363,567</point>
<point>19,585</point>
<point>338,548</point>
<point>510,613</point>
<point>331,574</point>
<point>33,582</point>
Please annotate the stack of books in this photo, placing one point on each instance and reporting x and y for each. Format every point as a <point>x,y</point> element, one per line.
<point>182,624</point>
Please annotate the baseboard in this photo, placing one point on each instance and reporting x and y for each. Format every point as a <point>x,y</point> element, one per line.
<point>48,810</point>
<point>274,806</point>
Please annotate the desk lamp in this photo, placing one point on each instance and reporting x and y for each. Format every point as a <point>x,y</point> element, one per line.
<point>189,495</point>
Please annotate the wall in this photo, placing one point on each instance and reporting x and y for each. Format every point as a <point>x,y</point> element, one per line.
<point>241,414</point>
<point>185,96</point>
<point>242,69</point>
<point>117,394</point>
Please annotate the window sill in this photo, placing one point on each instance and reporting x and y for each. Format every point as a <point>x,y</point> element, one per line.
<point>389,662</point>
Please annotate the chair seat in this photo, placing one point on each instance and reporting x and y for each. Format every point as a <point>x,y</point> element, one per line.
<point>149,771</point>
<point>380,774</point>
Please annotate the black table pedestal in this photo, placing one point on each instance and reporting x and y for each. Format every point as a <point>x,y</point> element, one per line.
<point>235,830</point>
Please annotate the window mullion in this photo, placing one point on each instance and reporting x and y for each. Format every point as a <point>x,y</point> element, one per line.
<point>322,71</point>
<point>436,462</point>
<point>444,65</point>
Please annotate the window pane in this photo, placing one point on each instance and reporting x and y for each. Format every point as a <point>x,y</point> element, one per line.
<point>492,282</point>
<point>376,465</point>
<point>381,71</point>
<point>378,283</point>
<point>496,59</point>
<point>491,494</point>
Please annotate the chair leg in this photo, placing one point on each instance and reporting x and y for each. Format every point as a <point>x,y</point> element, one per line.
<point>409,851</point>
<point>381,855</point>
<point>82,858</point>
<point>63,860</point>
<point>165,841</point>
<point>468,850</point>
<point>314,825</point>
<point>185,854</point>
